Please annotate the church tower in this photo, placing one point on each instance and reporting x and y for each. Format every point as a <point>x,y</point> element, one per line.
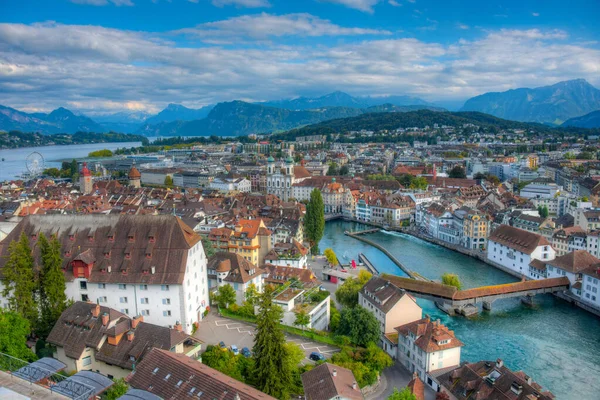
<point>85,180</point>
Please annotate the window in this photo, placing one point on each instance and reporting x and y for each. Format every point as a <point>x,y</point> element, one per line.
<point>83,285</point>
<point>145,312</point>
<point>166,313</point>
<point>164,287</point>
<point>125,310</point>
<point>166,301</point>
<point>102,286</point>
<point>123,299</point>
<point>84,297</point>
<point>86,361</point>
<point>102,299</point>
<point>143,287</point>
<point>122,286</point>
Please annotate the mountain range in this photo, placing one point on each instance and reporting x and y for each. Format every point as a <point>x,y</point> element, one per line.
<point>552,105</point>
<point>548,104</point>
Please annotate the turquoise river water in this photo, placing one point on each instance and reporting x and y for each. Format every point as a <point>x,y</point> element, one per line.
<point>556,343</point>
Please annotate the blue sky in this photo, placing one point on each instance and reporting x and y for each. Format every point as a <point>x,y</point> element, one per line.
<point>101,56</point>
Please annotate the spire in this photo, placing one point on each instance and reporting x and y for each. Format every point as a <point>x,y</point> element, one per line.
<point>85,171</point>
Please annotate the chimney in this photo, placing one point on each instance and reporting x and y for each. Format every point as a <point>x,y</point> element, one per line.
<point>354,385</point>
<point>105,319</point>
<point>178,326</point>
<point>96,311</point>
<point>136,320</point>
<point>499,363</point>
<point>130,336</point>
<point>529,380</point>
<point>334,373</point>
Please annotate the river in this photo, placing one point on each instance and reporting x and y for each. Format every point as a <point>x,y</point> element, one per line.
<point>556,343</point>
<point>14,159</point>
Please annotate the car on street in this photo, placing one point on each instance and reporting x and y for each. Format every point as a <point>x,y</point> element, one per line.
<point>234,350</point>
<point>246,352</point>
<point>222,346</point>
<point>316,356</point>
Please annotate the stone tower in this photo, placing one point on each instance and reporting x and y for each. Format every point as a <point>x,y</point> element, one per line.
<point>135,177</point>
<point>85,180</point>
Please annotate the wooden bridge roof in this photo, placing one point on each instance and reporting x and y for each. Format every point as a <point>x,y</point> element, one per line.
<point>451,293</point>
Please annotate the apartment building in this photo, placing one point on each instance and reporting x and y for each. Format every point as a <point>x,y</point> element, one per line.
<point>249,238</point>
<point>425,346</point>
<point>150,265</point>
<point>566,240</point>
<point>234,270</point>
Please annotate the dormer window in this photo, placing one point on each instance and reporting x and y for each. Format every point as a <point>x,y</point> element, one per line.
<point>71,237</point>
<point>33,236</point>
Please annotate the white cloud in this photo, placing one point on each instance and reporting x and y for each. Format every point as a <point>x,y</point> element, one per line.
<point>361,5</point>
<point>242,3</point>
<point>462,26</point>
<point>394,3</point>
<point>95,68</point>
<point>535,14</point>
<point>263,26</point>
<point>117,3</point>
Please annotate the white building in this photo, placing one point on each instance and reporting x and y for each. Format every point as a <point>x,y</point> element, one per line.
<point>515,249</point>
<point>149,265</point>
<point>234,270</point>
<point>572,265</point>
<point>425,346</point>
<point>280,179</point>
<point>293,300</point>
<point>590,286</point>
<point>227,184</point>
<point>534,190</point>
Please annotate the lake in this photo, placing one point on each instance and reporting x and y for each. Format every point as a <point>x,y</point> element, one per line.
<point>14,159</point>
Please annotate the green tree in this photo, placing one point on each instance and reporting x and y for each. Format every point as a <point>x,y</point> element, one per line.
<point>347,293</point>
<point>223,361</point>
<point>20,281</point>
<point>225,296</point>
<point>457,172</point>
<point>101,153</point>
<point>543,211</point>
<point>272,374</point>
<point>404,394</point>
<point>359,325</point>
<point>344,170</point>
<point>168,181</point>
<point>53,172</point>
<point>74,168</point>
<point>420,183</point>
<point>302,318</point>
<point>52,297</point>
<point>334,316</point>
<point>314,220</point>
<point>117,390</point>
<point>209,250</point>
<point>294,355</point>
<point>14,330</point>
<point>333,169</point>
<point>451,280</point>
<point>330,256</point>
<point>251,298</point>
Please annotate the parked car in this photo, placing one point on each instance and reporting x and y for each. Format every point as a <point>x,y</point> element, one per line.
<point>246,352</point>
<point>222,346</point>
<point>234,350</point>
<point>316,356</point>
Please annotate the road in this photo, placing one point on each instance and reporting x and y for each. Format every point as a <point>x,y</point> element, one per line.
<point>396,376</point>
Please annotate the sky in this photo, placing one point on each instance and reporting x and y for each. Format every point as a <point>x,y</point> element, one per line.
<point>104,56</point>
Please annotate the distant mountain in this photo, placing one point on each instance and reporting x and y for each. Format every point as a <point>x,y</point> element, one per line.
<point>123,121</point>
<point>177,112</point>
<point>548,104</point>
<point>341,99</point>
<point>591,120</point>
<point>60,120</point>
<point>240,118</point>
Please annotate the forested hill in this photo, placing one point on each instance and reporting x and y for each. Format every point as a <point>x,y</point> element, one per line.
<point>16,139</point>
<point>418,119</point>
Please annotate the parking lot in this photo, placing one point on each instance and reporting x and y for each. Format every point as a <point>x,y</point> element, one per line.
<point>214,329</point>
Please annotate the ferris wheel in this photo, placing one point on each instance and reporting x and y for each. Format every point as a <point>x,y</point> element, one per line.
<point>35,163</point>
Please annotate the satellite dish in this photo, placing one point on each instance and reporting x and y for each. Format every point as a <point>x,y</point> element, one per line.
<point>35,163</point>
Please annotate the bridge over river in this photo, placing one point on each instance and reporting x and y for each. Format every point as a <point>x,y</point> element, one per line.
<point>451,300</point>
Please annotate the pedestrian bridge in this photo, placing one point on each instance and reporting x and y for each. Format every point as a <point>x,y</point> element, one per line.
<point>452,300</point>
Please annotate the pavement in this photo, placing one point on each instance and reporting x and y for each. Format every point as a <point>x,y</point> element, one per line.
<point>395,376</point>
<point>214,329</point>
